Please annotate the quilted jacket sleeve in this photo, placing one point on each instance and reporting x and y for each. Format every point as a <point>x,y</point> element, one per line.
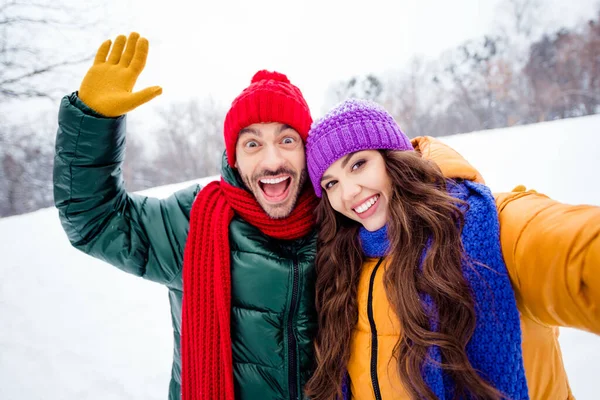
<point>450,162</point>
<point>552,252</point>
<point>140,235</point>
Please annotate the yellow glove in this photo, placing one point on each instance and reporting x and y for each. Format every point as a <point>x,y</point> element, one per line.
<point>107,86</point>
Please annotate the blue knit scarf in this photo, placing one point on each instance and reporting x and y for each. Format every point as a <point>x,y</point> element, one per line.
<point>495,348</point>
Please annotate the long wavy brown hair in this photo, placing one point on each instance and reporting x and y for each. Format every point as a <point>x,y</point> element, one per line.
<point>422,214</point>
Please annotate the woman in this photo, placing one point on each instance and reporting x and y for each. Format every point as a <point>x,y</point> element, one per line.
<point>432,289</point>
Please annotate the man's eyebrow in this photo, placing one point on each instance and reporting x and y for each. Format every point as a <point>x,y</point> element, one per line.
<point>256,132</point>
<point>283,127</point>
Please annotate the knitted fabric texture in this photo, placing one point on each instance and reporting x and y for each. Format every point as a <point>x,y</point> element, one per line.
<point>207,370</point>
<point>269,98</point>
<point>351,126</point>
<point>346,394</point>
<point>495,348</point>
<point>374,244</point>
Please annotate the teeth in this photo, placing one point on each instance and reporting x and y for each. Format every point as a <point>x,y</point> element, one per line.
<point>274,181</point>
<point>366,205</point>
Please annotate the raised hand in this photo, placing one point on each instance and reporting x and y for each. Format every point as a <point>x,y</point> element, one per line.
<point>107,86</point>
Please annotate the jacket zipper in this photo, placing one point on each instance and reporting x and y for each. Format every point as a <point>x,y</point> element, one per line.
<point>292,370</point>
<point>374,345</point>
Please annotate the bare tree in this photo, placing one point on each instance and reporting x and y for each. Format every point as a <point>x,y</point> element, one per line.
<point>29,30</point>
<point>367,87</point>
<point>465,77</point>
<point>411,96</point>
<point>36,50</point>
<point>590,60</point>
<point>519,23</point>
<point>523,17</point>
<point>188,143</point>
<point>25,171</point>
<point>564,73</point>
<point>138,169</point>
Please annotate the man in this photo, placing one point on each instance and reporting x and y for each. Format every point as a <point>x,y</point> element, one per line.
<point>248,317</point>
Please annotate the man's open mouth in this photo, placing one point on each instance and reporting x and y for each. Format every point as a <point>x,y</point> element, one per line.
<point>275,189</point>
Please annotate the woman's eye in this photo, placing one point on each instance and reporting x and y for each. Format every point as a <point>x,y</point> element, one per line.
<point>357,165</point>
<point>329,185</point>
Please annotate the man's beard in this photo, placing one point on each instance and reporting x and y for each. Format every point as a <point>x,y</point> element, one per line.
<point>285,208</point>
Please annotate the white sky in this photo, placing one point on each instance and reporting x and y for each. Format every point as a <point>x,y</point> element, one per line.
<point>312,43</point>
<point>214,47</point>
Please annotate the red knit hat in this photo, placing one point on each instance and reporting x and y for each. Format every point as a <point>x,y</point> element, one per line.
<point>269,98</point>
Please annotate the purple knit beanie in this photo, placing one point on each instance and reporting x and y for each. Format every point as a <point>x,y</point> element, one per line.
<point>351,126</point>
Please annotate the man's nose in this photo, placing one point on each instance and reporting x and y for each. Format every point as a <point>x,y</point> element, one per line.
<point>272,159</point>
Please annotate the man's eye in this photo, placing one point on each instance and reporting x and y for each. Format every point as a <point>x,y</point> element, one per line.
<point>288,140</point>
<point>251,143</point>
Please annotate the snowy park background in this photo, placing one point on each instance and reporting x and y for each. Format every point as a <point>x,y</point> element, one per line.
<point>76,328</point>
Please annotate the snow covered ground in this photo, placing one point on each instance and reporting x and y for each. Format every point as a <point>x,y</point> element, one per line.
<point>75,328</point>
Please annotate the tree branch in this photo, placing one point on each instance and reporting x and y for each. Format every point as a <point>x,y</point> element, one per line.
<point>23,20</point>
<point>39,71</point>
<point>15,4</point>
<point>19,94</point>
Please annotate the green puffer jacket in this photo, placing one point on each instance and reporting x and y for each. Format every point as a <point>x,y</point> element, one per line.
<point>273,320</point>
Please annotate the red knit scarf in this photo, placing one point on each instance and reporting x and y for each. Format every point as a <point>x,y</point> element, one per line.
<point>207,370</point>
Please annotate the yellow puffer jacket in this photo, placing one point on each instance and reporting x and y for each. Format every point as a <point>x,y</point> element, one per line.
<point>552,252</point>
